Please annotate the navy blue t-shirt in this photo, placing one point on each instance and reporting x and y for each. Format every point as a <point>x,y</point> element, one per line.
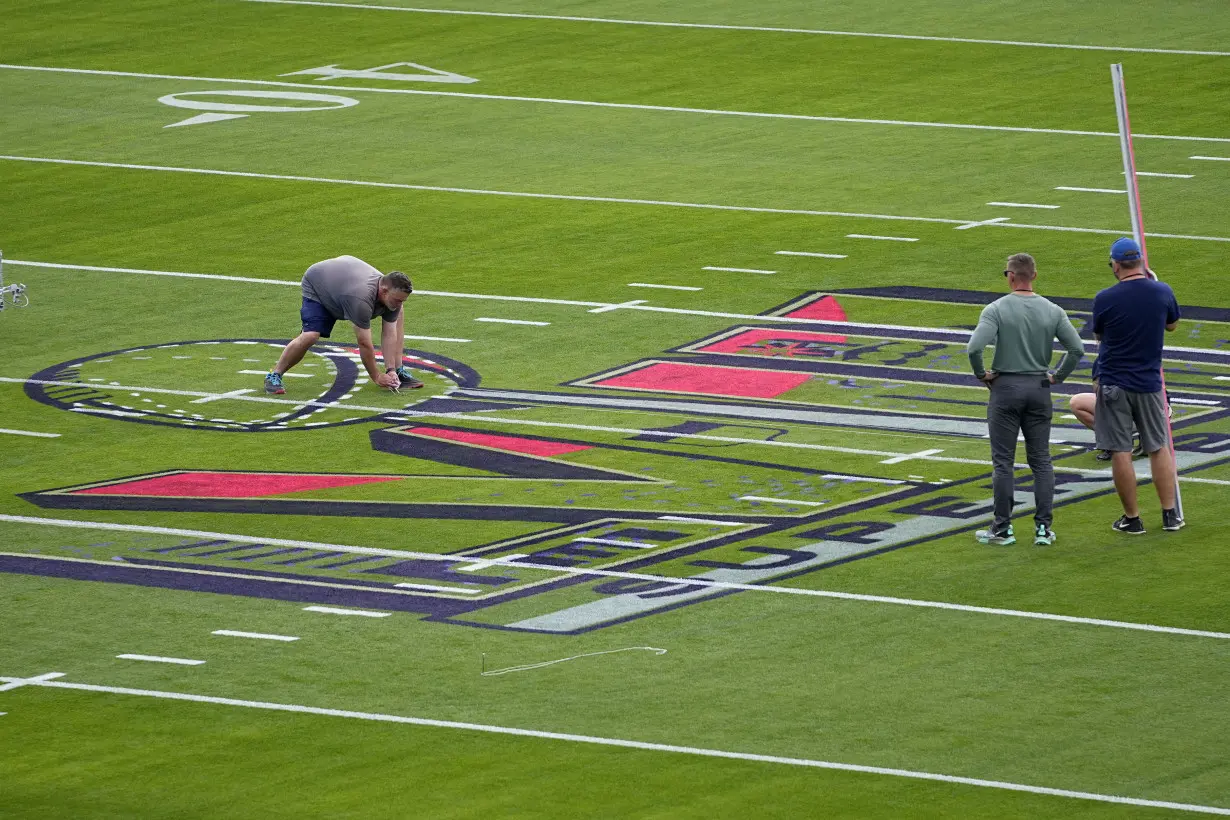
<point>1131,318</point>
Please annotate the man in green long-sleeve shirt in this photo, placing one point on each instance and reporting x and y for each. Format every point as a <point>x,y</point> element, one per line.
<point>1023,327</point>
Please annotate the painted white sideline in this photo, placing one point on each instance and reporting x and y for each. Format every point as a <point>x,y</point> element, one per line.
<point>330,610</point>
<point>581,198</point>
<point>510,321</point>
<point>634,576</point>
<point>781,500</point>
<point>612,105</point>
<point>160,659</point>
<point>263,636</point>
<point>1090,190</point>
<point>1023,205</point>
<point>44,681</point>
<point>728,27</point>
<point>30,433</point>
<point>886,238</point>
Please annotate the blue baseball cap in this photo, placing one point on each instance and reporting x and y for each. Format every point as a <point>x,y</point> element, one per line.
<point>1125,250</point>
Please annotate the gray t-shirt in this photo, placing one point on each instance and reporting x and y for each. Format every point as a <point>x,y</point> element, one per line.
<point>347,287</point>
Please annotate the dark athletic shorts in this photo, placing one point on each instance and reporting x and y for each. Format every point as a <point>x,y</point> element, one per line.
<point>1118,409</point>
<point>316,319</point>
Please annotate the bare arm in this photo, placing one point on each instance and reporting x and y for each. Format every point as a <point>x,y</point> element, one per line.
<point>392,341</point>
<point>367,353</point>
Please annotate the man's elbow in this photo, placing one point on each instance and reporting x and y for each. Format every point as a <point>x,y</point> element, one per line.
<point>1170,327</point>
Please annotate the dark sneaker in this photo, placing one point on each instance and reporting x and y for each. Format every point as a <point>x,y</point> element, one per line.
<point>1132,526</point>
<point>1103,455</point>
<point>408,381</point>
<point>1172,521</point>
<point>273,384</point>
<point>1044,536</point>
<point>998,538</point>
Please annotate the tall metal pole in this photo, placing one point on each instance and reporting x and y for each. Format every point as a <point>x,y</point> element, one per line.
<point>1138,231</point>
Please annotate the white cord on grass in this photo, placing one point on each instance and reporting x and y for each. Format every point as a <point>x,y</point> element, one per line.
<point>573,658</point>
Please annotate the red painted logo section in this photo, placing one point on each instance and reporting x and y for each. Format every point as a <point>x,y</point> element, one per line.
<point>757,338</point>
<point>825,309</point>
<point>231,485</point>
<point>513,444</point>
<point>678,377</point>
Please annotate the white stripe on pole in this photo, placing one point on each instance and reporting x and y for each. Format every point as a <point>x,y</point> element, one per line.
<point>1138,229</point>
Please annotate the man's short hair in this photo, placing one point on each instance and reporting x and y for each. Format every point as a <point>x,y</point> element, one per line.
<point>1022,263</point>
<point>396,280</point>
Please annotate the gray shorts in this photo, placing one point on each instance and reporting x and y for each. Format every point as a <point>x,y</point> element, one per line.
<point>1118,409</point>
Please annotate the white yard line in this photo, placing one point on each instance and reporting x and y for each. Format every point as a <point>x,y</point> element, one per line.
<point>662,287</point>
<point>488,563</point>
<point>45,681</point>
<point>510,321</point>
<point>781,500</point>
<point>983,222</point>
<point>910,456</point>
<point>17,683</point>
<point>633,576</point>
<point>1090,190</point>
<point>615,542</point>
<point>28,433</point>
<point>609,308</point>
<point>438,339</point>
<point>809,253</point>
<point>611,105</point>
<point>775,29</point>
<point>688,520</point>
<point>886,238</point>
<point>233,393</point>
<point>1213,159</point>
<point>160,659</point>
<point>434,588</point>
<point>1169,176</point>
<point>261,636</point>
<point>561,197</point>
<point>737,270</point>
<point>1023,205</point>
<point>330,610</point>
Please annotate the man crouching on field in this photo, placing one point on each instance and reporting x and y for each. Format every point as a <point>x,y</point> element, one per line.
<point>350,289</point>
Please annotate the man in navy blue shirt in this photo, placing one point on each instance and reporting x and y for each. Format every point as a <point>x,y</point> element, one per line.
<point>1130,320</point>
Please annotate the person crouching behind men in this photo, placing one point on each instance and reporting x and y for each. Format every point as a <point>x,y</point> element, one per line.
<point>1022,326</point>
<point>1130,322</point>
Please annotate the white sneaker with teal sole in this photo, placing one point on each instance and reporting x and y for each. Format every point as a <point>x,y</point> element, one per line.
<point>999,538</point>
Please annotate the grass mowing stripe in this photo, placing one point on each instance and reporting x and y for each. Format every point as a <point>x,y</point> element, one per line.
<point>632,576</point>
<point>580,198</point>
<point>1019,129</point>
<point>773,29</point>
<point>621,742</point>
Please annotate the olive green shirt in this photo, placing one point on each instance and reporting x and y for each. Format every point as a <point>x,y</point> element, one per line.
<point>1023,328</point>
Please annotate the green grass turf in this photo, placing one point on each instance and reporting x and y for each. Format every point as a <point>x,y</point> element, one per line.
<point>1062,705</point>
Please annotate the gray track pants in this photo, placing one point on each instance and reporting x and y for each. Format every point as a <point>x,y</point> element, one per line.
<point>1021,403</point>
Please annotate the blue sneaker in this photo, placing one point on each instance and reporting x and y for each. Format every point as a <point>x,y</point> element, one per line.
<point>408,381</point>
<point>273,384</point>
<point>998,538</point>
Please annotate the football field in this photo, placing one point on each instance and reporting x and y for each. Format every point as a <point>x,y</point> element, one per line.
<point>681,524</point>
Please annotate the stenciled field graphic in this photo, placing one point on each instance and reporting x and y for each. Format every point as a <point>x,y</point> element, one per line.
<point>715,472</point>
